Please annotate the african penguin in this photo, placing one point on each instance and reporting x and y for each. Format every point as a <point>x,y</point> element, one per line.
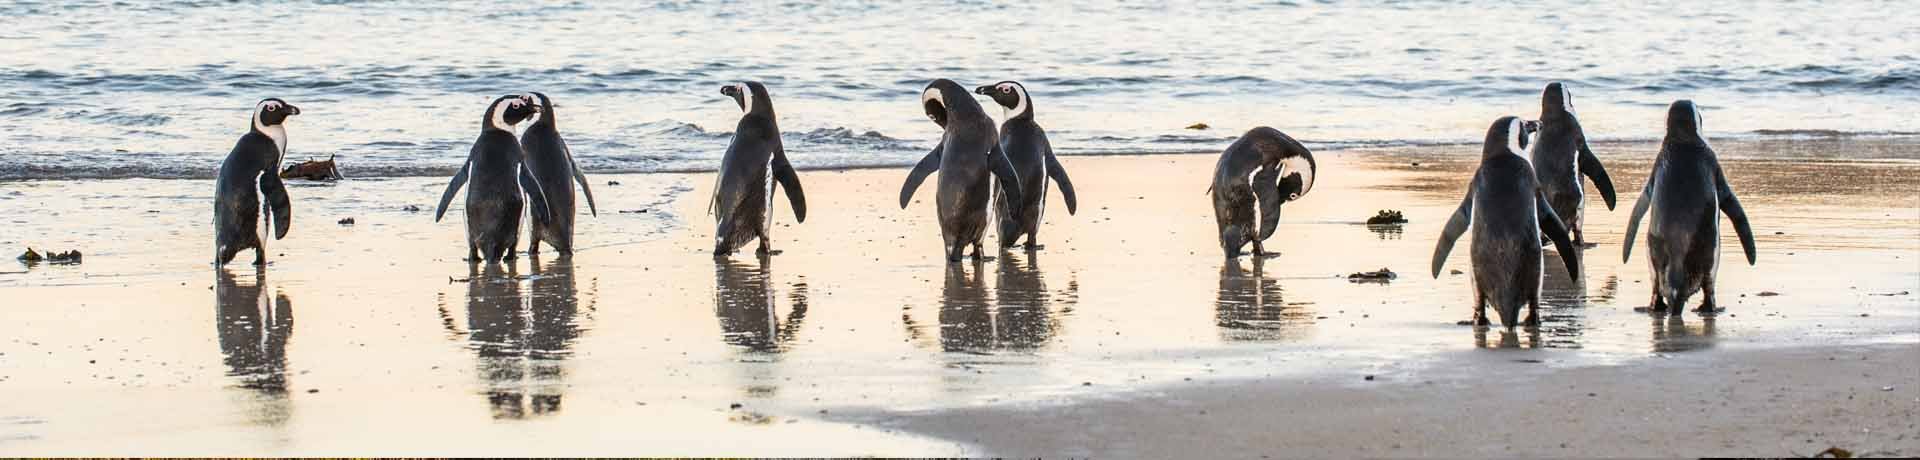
<point>253,163</point>
<point>1264,165</point>
<point>553,165</point>
<point>1561,156</point>
<point>969,160</point>
<point>742,203</point>
<point>499,181</point>
<point>1508,214</point>
<point>1684,190</point>
<point>1026,146</point>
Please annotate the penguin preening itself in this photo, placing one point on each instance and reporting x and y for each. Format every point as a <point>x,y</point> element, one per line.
<point>1561,156</point>
<point>1026,146</point>
<point>553,165</point>
<point>1684,190</point>
<point>254,162</point>
<point>1264,165</point>
<point>969,160</point>
<point>1508,214</point>
<point>500,178</point>
<point>742,204</point>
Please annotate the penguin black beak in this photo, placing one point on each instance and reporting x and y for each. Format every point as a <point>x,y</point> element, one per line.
<point>291,110</point>
<point>729,90</point>
<point>988,89</point>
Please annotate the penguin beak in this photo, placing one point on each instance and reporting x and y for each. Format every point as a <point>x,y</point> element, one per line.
<point>729,90</point>
<point>988,90</point>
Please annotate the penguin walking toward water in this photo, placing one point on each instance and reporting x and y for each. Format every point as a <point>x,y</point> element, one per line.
<point>554,167</point>
<point>1561,156</point>
<point>1683,192</point>
<point>1508,215</point>
<point>253,163</point>
<point>970,162</point>
<point>1026,146</point>
<point>1264,165</point>
<point>500,178</point>
<point>742,204</point>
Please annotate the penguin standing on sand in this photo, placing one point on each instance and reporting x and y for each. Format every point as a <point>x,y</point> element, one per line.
<point>552,164</point>
<point>1264,165</point>
<point>1683,241</point>
<point>499,179</point>
<point>1508,215</point>
<point>1561,156</point>
<point>1027,148</point>
<point>742,204</point>
<point>969,160</point>
<point>254,162</point>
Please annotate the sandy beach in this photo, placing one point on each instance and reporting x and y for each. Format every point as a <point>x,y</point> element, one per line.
<point>1128,336</point>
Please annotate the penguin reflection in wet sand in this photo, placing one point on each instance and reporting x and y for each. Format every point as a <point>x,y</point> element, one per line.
<point>499,179</point>
<point>1027,148</point>
<point>1561,156</point>
<point>253,163</point>
<point>969,160</point>
<point>742,204</point>
<point>1508,215</point>
<point>1264,165</point>
<point>552,164</point>
<point>1683,240</point>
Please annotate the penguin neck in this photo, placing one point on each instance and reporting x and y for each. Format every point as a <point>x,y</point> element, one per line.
<point>278,133</point>
<point>1022,110</point>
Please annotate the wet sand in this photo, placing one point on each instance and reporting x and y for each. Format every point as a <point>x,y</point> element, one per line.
<point>375,339</point>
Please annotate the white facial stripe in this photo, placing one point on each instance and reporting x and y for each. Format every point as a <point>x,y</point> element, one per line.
<point>1514,131</point>
<point>1566,98</point>
<point>1298,166</point>
<point>498,112</point>
<point>746,98</point>
<point>932,94</point>
<point>276,132</point>
<point>1020,107</point>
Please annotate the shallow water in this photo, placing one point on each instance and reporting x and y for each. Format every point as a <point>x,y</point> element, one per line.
<point>377,338</point>
<point>162,89</point>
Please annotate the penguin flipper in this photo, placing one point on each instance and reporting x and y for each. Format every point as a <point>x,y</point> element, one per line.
<point>790,180</point>
<point>1590,166</point>
<point>536,197</point>
<point>581,177</point>
<point>459,179</point>
<point>1004,174</point>
<point>1266,188</point>
<point>1059,175</point>
<point>1640,206</point>
<point>1556,230</point>
<point>1730,205</point>
<point>1456,226</point>
<point>927,166</point>
<point>281,207</point>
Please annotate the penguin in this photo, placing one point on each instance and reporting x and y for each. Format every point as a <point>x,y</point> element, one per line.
<point>1561,156</point>
<point>755,164</point>
<point>1264,165</point>
<point>1508,215</point>
<point>1026,146</point>
<point>553,165</point>
<point>253,163</point>
<point>1684,190</point>
<point>500,178</point>
<point>970,162</point>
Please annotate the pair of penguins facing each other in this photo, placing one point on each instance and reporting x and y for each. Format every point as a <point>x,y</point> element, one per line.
<point>1518,195</point>
<point>502,168</point>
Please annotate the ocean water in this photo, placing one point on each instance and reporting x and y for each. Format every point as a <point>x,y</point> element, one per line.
<point>162,89</point>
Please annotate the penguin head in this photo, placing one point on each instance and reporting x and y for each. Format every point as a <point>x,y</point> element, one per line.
<point>1556,99</point>
<point>1508,135</point>
<point>1010,95</point>
<point>751,96</point>
<point>1684,122</point>
<point>943,100</point>
<point>509,110</point>
<point>542,106</point>
<point>272,112</point>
